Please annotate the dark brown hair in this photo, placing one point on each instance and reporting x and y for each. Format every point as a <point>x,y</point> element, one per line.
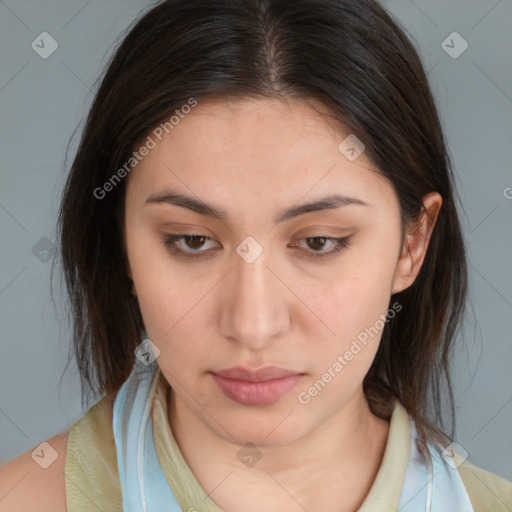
<point>353,58</point>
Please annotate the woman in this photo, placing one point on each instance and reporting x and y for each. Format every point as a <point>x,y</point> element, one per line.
<point>266,270</point>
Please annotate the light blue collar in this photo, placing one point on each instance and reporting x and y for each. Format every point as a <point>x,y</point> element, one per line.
<point>438,488</point>
<point>435,487</point>
<point>143,483</point>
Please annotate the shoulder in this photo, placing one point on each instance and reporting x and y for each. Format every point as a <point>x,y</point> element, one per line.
<point>72,471</point>
<point>35,479</point>
<point>487,491</point>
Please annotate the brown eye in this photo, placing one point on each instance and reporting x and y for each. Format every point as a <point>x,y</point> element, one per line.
<point>317,243</point>
<point>193,243</point>
<point>197,241</point>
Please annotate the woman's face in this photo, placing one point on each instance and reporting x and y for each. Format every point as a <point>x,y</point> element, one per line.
<point>260,289</point>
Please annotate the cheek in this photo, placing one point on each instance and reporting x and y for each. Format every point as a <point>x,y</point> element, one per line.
<point>162,297</point>
<point>169,309</point>
<point>174,316</point>
<point>351,318</point>
<point>351,303</point>
<point>342,355</point>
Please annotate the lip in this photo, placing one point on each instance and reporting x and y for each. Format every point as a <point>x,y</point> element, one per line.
<point>257,374</point>
<point>256,387</point>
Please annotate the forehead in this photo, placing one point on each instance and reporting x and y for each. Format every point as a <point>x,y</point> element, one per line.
<point>231,149</point>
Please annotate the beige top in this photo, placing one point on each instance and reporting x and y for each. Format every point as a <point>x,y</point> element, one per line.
<point>92,478</point>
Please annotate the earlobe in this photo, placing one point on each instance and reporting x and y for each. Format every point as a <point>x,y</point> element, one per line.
<point>402,278</point>
<point>416,243</point>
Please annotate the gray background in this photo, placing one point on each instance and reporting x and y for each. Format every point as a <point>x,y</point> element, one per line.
<point>43,100</point>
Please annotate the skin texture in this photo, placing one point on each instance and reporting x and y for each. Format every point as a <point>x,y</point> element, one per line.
<point>288,308</point>
<point>26,486</point>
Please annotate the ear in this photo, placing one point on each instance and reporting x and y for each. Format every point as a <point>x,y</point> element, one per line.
<point>416,244</point>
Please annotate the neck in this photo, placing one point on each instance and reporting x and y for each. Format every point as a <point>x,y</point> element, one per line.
<point>343,453</point>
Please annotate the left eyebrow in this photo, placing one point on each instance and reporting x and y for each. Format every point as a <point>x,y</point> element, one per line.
<point>325,203</point>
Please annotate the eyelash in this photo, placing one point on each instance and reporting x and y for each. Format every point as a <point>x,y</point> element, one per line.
<point>170,243</point>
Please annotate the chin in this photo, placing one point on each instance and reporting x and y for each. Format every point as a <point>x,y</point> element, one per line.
<point>259,426</point>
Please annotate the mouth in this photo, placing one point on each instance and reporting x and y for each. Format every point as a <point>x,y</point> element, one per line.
<point>256,387</point>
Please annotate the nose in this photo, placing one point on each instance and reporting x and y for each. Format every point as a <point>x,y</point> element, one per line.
<point>254,308</point>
